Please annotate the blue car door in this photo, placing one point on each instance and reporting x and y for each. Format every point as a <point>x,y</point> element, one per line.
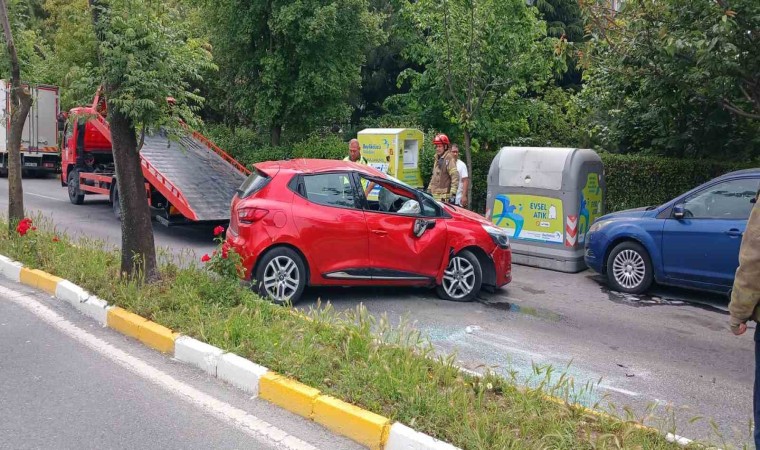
<point>702,248</point>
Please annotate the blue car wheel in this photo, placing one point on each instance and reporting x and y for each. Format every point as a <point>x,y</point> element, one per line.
<point>629,268</point>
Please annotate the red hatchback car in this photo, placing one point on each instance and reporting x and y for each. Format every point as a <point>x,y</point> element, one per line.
<point>308,222</point>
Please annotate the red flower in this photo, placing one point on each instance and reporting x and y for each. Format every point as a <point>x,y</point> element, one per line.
<point>24,225</point>
<point>225,250</point>
<point>218,230</point>
<point>55,239</point>
<point>205,258</point>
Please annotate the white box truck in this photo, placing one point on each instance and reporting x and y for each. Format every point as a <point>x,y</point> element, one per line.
<point>39,141</point>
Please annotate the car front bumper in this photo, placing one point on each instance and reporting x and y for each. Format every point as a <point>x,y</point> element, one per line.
<point>502,261</point>
<point>594,251</point>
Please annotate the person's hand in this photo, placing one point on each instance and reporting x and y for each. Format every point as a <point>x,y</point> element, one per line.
<point>740,329</point>
<point>464,202</point>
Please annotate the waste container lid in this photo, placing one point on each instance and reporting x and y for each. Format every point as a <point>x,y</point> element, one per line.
<point>534,167</point>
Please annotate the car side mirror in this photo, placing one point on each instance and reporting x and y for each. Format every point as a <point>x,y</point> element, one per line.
<point>422,225</point>
<point>679,212</point>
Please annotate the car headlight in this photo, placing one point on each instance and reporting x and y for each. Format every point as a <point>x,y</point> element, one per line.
<point>498,235</point>
<point>598,226</point>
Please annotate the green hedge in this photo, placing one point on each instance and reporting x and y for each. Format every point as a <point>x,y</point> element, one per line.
<point>632,180</point>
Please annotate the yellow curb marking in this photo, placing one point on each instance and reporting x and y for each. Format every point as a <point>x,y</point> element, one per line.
<point>125,322</point>
<point>289,394</point>
<point>39,279</point>
<point>149,333</point>
<point>157,336</point>
<point>364,427</point>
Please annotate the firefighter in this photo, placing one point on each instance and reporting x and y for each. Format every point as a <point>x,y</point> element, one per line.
<point>445,180</point>
<point>745,297</point>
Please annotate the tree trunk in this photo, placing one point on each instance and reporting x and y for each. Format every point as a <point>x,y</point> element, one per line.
<point>21,103</point>
<point>276,133</point>
<point>138,250</point>
<point>468,157</point>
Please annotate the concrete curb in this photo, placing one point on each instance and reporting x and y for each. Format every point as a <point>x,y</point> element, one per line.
<point>10,269</point>
<point>364,427</point>
<point>402,437</point>
<point>240,372</point>
<point>198,354</point>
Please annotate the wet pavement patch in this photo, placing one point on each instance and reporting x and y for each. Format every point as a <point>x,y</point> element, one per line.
<point>643,300</point>
<point>540,313</point>
<point>530,290</point>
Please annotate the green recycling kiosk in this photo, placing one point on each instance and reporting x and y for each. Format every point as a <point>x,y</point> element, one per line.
<point>395,151</point>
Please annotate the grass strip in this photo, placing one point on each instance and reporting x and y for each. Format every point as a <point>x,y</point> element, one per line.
<point>350,355</point>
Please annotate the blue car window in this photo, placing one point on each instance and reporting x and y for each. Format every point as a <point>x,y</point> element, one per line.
<point>726,200</point>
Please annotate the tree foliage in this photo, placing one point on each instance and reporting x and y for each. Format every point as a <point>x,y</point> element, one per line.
<point>478,56</point>
<point>385,62</point>
<point>292,65</point>
<point>564,21</point>
<point>144,58</point>
<point>675,77</point>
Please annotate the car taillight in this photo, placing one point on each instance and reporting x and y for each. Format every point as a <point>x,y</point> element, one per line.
<point>250,215</point>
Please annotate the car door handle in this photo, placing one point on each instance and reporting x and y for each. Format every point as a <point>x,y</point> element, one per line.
<point>380,232</point>
<point>733,232</point>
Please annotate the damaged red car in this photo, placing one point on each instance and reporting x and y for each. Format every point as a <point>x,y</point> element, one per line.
<point>311,222</point>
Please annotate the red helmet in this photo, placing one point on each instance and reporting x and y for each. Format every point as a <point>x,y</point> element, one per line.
<point>441,139</point>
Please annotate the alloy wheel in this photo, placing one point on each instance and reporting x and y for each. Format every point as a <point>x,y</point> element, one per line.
<point>281,278</point>
<point>629,268</point>
<point>459,278</point>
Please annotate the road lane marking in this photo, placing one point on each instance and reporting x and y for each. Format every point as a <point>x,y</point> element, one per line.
<point>246,422</point>
<point>619,390</point>
<point>44,196</point>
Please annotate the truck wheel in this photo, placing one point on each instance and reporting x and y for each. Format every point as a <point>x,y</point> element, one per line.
<point>76,196</point>
<point>116,202</point>
<point>3,172</point>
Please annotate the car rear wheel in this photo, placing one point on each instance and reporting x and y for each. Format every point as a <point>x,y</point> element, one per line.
<point>629,268</point>
<point>281,276</point>
<point>462,278</point>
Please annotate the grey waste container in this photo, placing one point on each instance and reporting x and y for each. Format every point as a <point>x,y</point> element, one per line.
<point>546,199</point>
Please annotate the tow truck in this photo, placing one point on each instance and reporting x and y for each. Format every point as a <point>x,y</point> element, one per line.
<point>187,181</point>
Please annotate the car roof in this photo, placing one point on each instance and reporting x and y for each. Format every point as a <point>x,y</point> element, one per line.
<point>311,166</point>
<point>752,171</point>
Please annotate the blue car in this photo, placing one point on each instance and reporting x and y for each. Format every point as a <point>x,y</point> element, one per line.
<point>691,241</point>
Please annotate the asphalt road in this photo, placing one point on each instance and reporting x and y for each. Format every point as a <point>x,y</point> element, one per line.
<point>67,383</point>
<point>670,356</point>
